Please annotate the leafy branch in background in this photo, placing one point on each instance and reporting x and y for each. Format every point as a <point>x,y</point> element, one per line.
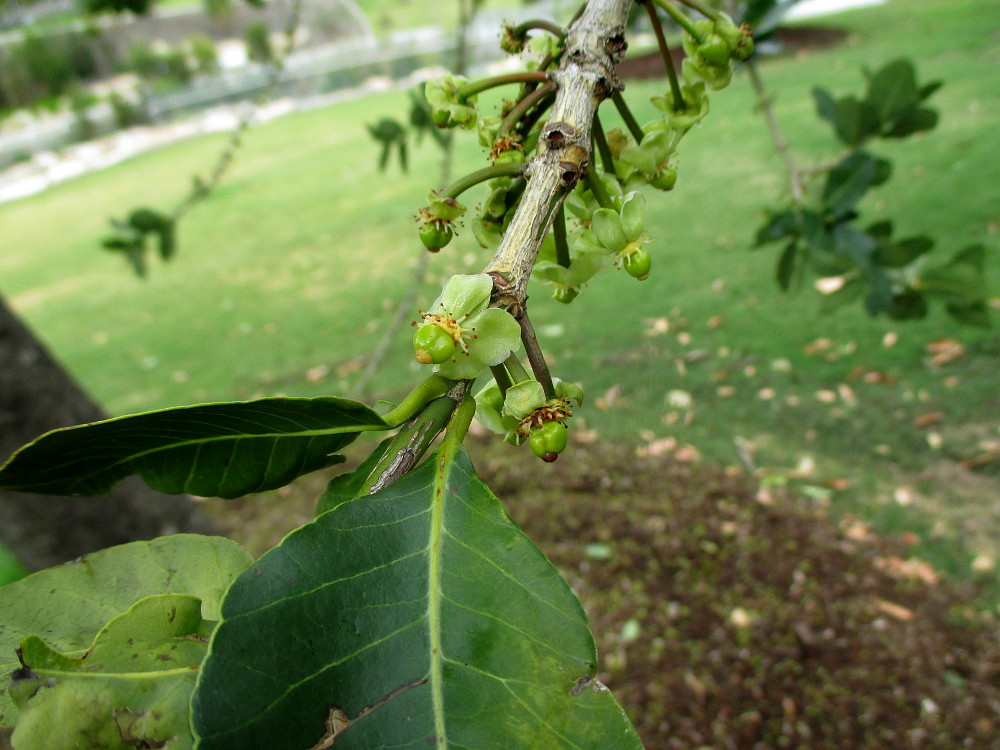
<point>146,227</point>
<point>412,611</point>
<point>821,229</point>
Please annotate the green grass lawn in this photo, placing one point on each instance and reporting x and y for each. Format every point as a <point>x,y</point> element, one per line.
<point>286,279</point>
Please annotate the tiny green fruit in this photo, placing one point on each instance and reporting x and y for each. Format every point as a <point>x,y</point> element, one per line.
<point>715,51</point>
<point>433,344</point>
<point>665,179</point>
<point>638,263</point>
<point>565,294</point>
<point>549,440</point>
<point>435,234</point>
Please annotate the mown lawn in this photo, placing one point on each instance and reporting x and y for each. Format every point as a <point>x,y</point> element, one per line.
<point>286,280</point>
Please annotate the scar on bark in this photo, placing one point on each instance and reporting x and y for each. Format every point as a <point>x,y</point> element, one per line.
<point>337,720</point>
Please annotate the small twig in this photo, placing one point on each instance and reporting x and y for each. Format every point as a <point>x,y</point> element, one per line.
<point>485,84</point>
<point>607,160</point>
<point>680,18</point>
<point>630,122</point>
<point>668,59</point>
<point>535,357</point>
<point>777,134</point>
<point>597,188</point>
<point>522,29</point>
<point>472,179</point>
<point>559,236</point>
<point>524,105</point>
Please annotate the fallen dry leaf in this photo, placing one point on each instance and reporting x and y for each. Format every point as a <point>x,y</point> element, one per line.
<point>944,351</point>
<point>913,569</point>
<point>895,610</point>
<point>611,398</point>
<point>934,417</point>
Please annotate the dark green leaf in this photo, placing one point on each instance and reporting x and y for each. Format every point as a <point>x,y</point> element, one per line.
<point>907,305</point>
<point>927,89</point>
<point>851,291</point>
<point>957,283</point>
<point>848,181</point>
<point>914,121</point>
<point>827,263</point>
<point>417,617</point>
<point>903,252</point>
<point>973,255</point>
<point>223,450</point>
<point>880,230</point>
<point>855,121</point>
<point>880,295</point>
<point>344,487</point>
<point>882,173</point>
<point>404,162</point>
<point>776,227</point>
<point>826,105</point>
<point>764,16</point>
<point>166,243</point>
<point>854,245</point>
<point>892,92</point>
<point>786,265</point>
<point>976,314</point>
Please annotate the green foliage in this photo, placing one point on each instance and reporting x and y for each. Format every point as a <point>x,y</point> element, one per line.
<point>468,581</point>
<point>166,65</point>
<point>11,568</point>
<point>205,54</point>
<point>892,276</point>
<point>452,627</point>
<point>133,237</point>
<point>258,41</point>
<point>219,450</point>
<point>122,628</point>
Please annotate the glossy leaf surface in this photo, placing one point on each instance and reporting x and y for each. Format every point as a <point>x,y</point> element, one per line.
<point>417,617</point>
<point>218,450</point>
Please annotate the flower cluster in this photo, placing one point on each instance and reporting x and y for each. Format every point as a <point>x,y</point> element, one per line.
<point>461,334</point>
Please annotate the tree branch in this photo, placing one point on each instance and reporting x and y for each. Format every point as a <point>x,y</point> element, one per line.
<point>777,134</point>
<point>585,78</point>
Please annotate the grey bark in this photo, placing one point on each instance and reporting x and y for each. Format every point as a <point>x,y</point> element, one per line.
<point>38,395</point>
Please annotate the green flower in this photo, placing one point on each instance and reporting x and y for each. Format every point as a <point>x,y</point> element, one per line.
<point>524,407</point>
<point>619,231</point>
<point>448,110</point>
<point>484,336</point>
<point>694,110</point>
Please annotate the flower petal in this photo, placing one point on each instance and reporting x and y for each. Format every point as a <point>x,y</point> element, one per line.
<point>497,334</point>
<point>607,225</point>
<point>523,398</point>
<point>465,295</point>
<point>634,216</point>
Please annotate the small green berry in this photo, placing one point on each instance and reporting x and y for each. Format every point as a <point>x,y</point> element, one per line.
<point>549,440</point>
<point>665,179</point>
<point>638,263</point>
<point>435,234</point>
<point>565,294</point>
<point>433,344</point>
<point>715,51</point>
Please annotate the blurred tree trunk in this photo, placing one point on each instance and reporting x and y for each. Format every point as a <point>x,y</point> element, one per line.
<point>38,395</point>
